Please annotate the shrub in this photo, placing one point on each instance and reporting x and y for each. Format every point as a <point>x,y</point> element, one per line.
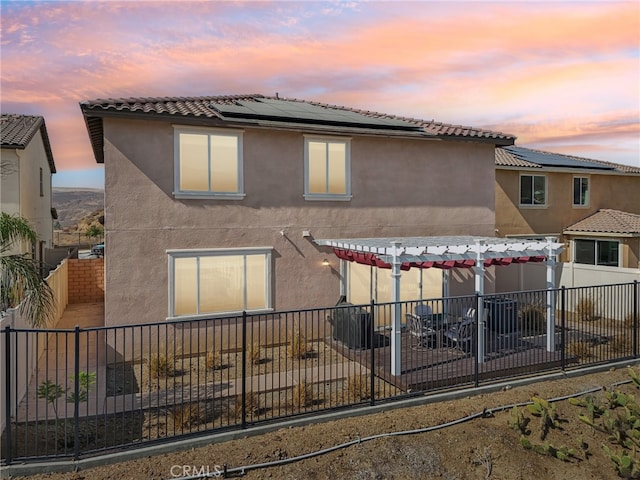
<point>298,347</point>
<point>302,395</point>
<point>580,349</point>
<point>358,388</point>
<point>214,360</point>
<point>252,403</point>
<point>161,365</point>
<point>185,415</point>
<point>532,320</point>
<point>586,309</point>
<point>254,353</point>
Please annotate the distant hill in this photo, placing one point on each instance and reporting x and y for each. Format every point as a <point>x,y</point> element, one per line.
<point>75,204</point>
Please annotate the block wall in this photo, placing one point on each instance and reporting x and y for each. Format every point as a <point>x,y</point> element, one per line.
<point>86,280</point>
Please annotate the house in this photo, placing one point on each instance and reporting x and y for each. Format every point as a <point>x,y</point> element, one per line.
<point>25,183</point>
<point>213,203</point>
<point>609,238</point>
<point>542,193</point>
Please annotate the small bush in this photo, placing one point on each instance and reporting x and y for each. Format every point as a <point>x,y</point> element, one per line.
<point>214,360</point>
<point>302,395</point>
<point>161,365</point>
<point>298,347</point>
<point>622,344</point>
<point>254,353</point>
<point>586,309</point>
<point>184,415</point>
<point>580,349</point>
<point>358,388</point>
<point>532,320</point>
<point>252,402</point>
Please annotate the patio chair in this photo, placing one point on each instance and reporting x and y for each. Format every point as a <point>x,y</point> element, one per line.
<point>417,329</point>
<point>425,313</point>
<point>462,333</point>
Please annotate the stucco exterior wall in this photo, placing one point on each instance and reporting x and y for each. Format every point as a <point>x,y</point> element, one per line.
<point>400,187</point>
<point>20,192</point>
<point>614,191</point>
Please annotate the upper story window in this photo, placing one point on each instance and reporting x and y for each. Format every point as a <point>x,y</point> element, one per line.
<point>580,191</point>
<point>327,168</point>
<point>597,252</point>
<point>208,163</point>
<point>219,281</point>
<point>533,190</point>
<point>41,183</point>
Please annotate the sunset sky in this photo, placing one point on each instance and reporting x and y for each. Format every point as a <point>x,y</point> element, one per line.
<point>561,76</point>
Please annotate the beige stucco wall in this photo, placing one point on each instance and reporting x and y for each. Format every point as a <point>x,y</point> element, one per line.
<point>399,188</point>
<point>20,191</point>
<point>618,192</point>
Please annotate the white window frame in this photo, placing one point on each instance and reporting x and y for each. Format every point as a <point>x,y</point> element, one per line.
<point>178,193</point>
<point>546,191</point>
<point>217,252</point>
<point>596,240</point>
<point>345,197</point>
<point>573,193</point>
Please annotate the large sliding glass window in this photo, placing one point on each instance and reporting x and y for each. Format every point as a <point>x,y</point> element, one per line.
<point>597,252</point>
<point>212,282</point>
<point>208,163</point>
<point>327,169</point>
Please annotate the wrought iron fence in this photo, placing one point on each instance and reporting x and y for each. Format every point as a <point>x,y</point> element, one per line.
<point>101,389</point>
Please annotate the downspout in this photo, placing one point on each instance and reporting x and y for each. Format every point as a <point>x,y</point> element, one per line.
<point>396,331</point>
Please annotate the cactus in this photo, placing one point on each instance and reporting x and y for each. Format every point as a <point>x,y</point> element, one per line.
<point>635,378</point>
<point>547,413</point>
<point>594,410</point>
<point>561,453</point>
<point>625,465</point>
<point>518,421</point>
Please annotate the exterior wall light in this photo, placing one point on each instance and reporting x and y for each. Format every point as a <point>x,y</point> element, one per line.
<point>325,263</point>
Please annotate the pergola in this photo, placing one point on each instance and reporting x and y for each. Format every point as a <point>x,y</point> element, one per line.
<point>404,253</point>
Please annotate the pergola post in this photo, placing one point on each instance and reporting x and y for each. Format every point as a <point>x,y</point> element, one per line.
<point>396,328</point>
<point>551,296</point>
<point>479,271</point>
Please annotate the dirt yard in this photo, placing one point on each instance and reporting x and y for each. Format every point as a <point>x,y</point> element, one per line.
<point>488,447</point>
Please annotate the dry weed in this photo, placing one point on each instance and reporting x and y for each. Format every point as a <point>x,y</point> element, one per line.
<point>185,415</point>
<point>298,347</point>
<point>302,395</point>
<point>580,349</point>
<point>586,309</point>
<point>214,360</point>
<point>161,365</point>
<point>358,388</point>
<point>254,353</point>
<point>622,344</point>
<point>252,404</point>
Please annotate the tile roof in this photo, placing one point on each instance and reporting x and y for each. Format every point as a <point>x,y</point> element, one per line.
<point>608,221</point>
<point>16,131</point>
<point>208,108</point>
<point>512,156</point>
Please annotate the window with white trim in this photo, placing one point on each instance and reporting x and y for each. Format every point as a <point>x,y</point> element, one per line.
<point>327,168</point>
<point>597,252</point>
<point>533,190</point>
<point>219,281</point>
<point>580,191</point>
<point>208,163</point>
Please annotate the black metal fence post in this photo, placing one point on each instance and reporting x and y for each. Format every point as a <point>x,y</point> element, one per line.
<point>563,297</point>
<point>476,366</point>
<point>635,318</point>
<point>372,347</point>
<point>7,394</point>
<point>244,369</point>
<point>76,396</point>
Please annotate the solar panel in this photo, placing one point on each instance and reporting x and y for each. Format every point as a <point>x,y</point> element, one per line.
<point>554,159</point>
<point>300,112</point>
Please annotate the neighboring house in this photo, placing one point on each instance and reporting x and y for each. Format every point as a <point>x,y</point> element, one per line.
<point>213,203</point>
<point>608,238</point>
<point>541,193</point>
<point>27,166</point>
